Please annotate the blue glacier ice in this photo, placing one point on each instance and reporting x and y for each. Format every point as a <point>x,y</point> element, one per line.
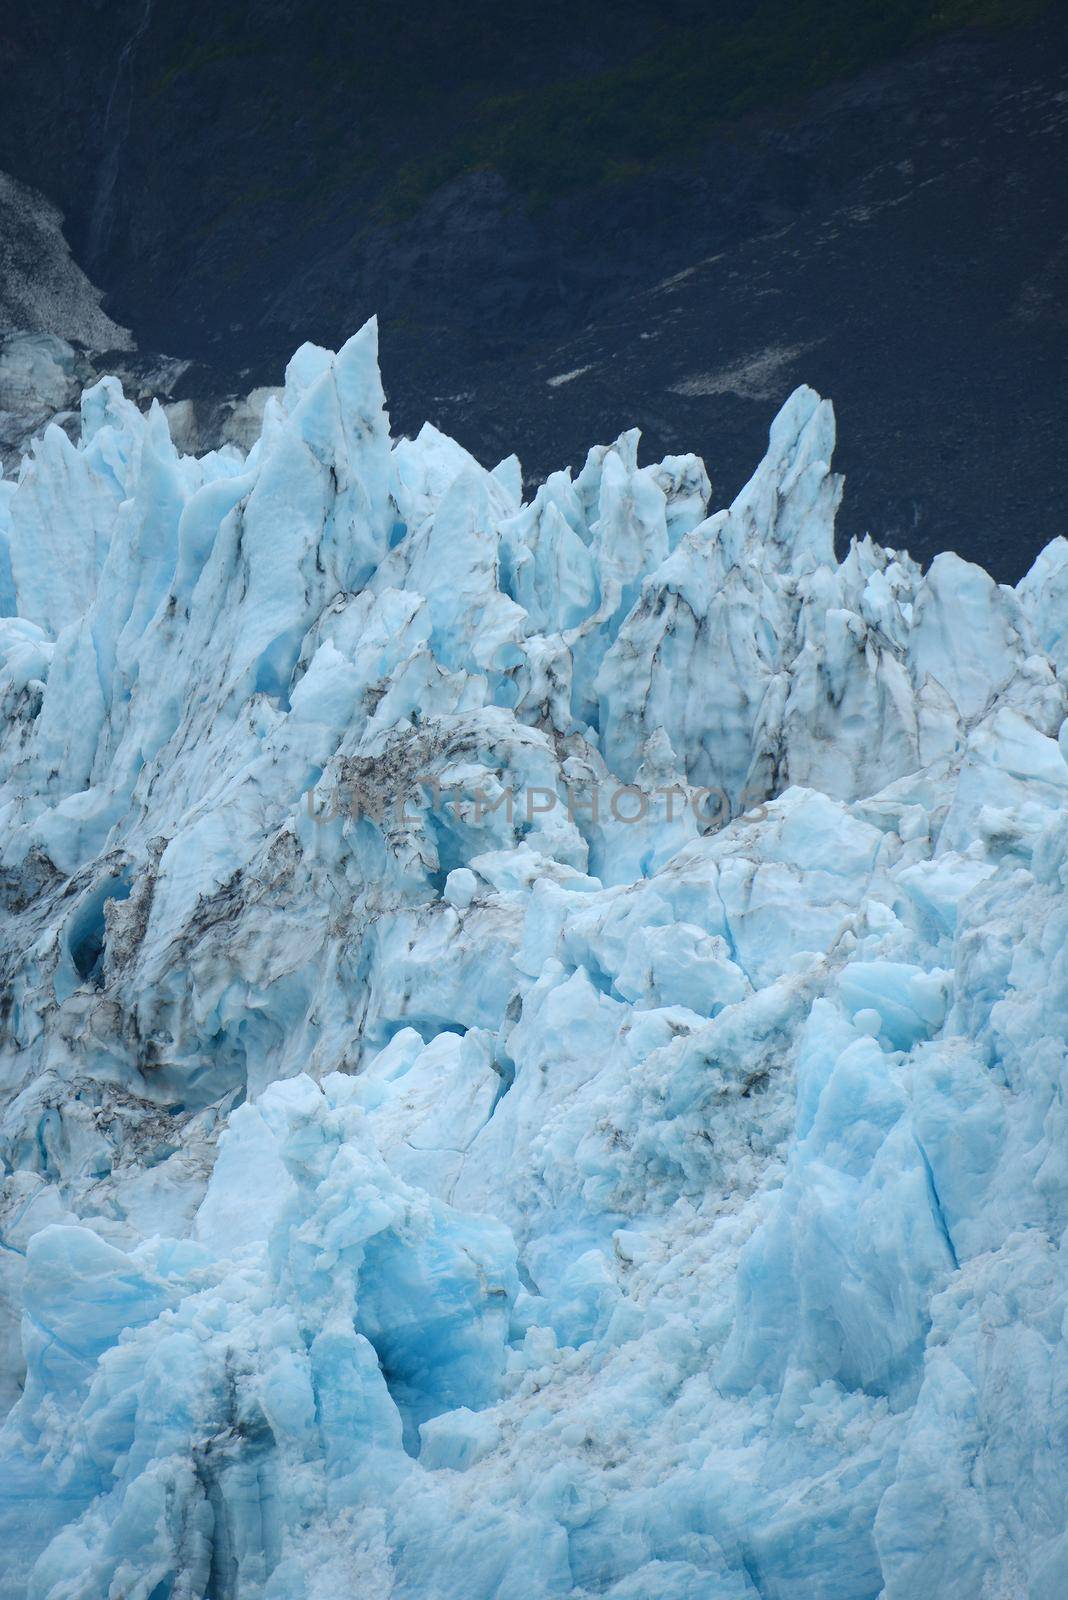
<point>533,1032</point>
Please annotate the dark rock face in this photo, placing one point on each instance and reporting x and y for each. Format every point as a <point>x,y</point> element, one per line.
<point>235,179</point>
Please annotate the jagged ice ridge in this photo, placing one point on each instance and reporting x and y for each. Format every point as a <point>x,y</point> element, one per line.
<point>467,1201</point>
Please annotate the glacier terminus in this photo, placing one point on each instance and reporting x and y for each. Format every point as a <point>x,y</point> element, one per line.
<point>428,1176</point>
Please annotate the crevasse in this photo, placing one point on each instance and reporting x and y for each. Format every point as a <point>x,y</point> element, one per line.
<point>533,1033</point>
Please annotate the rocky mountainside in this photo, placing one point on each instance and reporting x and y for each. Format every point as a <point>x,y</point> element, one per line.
<point>566,227</point>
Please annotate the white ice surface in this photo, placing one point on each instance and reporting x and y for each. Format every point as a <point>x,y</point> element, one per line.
<point>470,1192</point>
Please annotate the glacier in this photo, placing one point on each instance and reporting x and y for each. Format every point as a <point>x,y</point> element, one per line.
<point>534,1030</point>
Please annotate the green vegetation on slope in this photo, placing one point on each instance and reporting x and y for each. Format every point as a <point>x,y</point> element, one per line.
<point>399,100</point>
<point>589,130</point>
